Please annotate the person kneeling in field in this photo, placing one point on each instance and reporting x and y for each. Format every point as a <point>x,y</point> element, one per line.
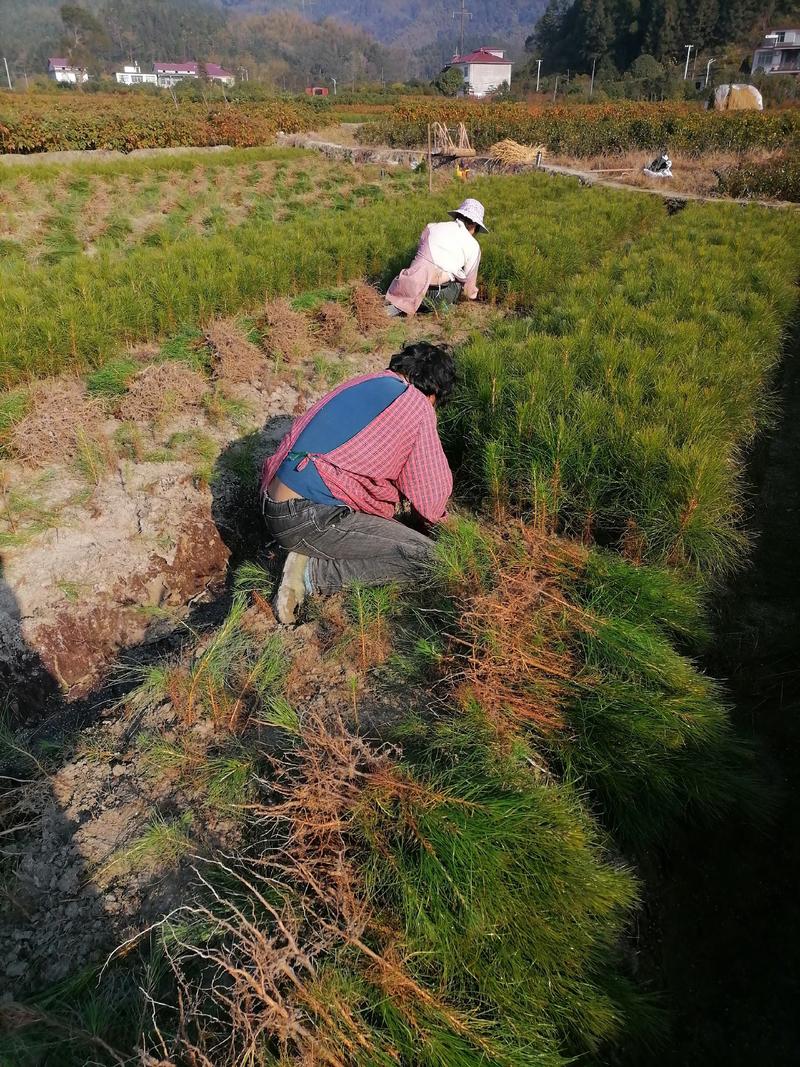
<point>446,263</point>
<point>330,492</point>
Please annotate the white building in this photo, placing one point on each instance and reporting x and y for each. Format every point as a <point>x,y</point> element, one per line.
<point>778,53</point>
<point>62,71</point>
<point>133,75</point>
<point>485,70</point>
<point>169,74</point>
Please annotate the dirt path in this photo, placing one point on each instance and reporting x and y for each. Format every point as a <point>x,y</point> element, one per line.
<point>727,935</point>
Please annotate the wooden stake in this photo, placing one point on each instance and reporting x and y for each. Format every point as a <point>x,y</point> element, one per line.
<point>430,163</point>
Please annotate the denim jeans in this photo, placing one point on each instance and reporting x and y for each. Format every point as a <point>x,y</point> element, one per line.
<point>443,294</point>
<point>347,546</point>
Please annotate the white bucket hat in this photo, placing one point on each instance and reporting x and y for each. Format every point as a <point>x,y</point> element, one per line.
<point>473,210</point>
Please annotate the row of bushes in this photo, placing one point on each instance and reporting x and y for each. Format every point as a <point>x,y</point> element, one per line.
<point>77,314</point>
<point>618,408</point>
<point>774,179</point>
<point>461,903</point>
<point>79,121</point>
<point>585,130</point>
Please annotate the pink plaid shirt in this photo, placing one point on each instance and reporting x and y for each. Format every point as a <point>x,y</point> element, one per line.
<point>397,454</point>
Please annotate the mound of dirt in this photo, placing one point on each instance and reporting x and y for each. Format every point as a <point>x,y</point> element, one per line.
<point>236,359</point>
<point>368,306</point>
<point>159,389</point>
<point>286,331</point>
<point>333,323</point>
<point>62,415</point>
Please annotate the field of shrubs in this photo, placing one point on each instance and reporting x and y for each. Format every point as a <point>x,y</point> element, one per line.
<point>590,129</point>
<point>124,122</point>
<point>779,178</point>
<point>450,881</point>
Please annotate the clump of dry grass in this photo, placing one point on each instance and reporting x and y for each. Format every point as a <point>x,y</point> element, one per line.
<point>517,663</point>
<point>159,390</point>
<point>236,359</point>
<point>367,306</point>
<point>333,323</point>
<point>512,153</point>
<point>61,416</point>
<point>286,332</point>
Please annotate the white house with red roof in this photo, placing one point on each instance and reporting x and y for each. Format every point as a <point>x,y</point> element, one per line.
<point>484,70</point>
<point>171,73</point>
<point>62,71</point>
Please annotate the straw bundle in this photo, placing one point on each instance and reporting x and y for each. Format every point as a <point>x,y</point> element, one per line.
<point>509,151</point>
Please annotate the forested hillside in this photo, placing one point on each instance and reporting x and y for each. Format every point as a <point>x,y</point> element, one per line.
<point>287,41</point>
<point>573,34</point>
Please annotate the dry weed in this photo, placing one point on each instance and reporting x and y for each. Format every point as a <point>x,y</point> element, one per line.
<point>368,307</point>
<point>236,359</point>
<point>333,324</point>
<point>286,331</point>
<point>515,659</point>
<point>62,415</point>
<point>159,390</point>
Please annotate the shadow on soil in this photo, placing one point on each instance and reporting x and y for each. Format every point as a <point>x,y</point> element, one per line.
<point>63,815</point>
<point>726,932</point>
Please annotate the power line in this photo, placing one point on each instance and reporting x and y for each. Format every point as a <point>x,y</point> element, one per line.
<point>463,14</point>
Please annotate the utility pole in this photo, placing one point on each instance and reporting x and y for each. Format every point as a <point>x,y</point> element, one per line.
<point>688,48</point>
<point>555,90</point>
<point>463,14</point>
<point>334,85</point>
<point>708,71</point>
<point>8,76</point>
<point>538,71</point>
<point>591,87</point>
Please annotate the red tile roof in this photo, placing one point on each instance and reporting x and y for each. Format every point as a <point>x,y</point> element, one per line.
<point>481,56</point>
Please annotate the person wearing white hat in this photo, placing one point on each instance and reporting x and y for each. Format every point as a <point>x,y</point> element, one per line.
<point>446,263</point>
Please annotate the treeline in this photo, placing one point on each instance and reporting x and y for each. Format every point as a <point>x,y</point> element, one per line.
<point>572,34</point>
<point>280,47</point>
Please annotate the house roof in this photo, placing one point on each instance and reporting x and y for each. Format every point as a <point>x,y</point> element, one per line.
<point>58,62</point>
<point>213,69</point>
<point>481,56</point>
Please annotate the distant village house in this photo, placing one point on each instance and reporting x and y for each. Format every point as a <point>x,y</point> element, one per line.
<point>778,53</point>
<point>485,71</point>
<point>168,74</point>
<point>62,71</point>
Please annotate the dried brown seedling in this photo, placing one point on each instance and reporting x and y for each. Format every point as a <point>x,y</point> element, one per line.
<point>333,324</point>
<point>514,657</point>
<point>286,332</point>
<point>161,389</point>
<point>62,416</point>
<point>368,307</point>
<point>236,358</point>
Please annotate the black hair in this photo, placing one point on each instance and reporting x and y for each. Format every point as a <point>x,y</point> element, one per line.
<point>430,368</point>
<point>465,220</point>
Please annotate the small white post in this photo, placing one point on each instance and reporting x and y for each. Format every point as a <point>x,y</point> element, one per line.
<point>591,87</point>
<point>538,72</point>
<point>555,90</point>
<point>688,48</point>
<point>8,76</point>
